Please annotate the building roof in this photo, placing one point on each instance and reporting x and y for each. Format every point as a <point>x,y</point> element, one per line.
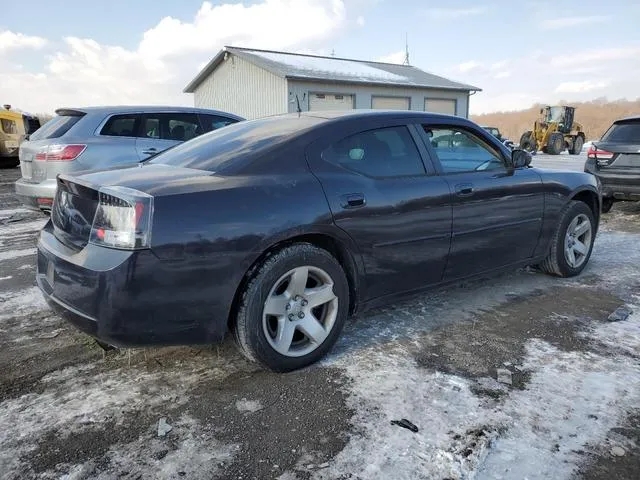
<point>333,69</point>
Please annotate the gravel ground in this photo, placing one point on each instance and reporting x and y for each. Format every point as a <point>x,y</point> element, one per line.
<point>566,405</point>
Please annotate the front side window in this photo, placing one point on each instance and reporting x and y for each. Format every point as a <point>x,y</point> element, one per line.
<point>386,152</point>
<point>214,122</point>
<point>461,151</point>
<point>120,126</point>
<point>8,126</point>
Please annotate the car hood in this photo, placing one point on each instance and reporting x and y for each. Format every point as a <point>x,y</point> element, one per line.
<point>154,179</point>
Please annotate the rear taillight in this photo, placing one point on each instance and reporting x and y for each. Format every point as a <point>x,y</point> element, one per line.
<point>122,219</point>
<point>603,157</point>
<point>60,153</point>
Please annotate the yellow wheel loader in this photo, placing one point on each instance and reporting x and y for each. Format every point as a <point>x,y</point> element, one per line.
<point>555,131</point>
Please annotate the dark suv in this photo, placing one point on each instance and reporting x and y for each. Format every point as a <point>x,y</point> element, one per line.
<point>615,161</point>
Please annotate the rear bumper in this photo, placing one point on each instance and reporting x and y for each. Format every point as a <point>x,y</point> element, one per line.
<point>123,298</point>
<point>618,186</point>
<point>29,193</point>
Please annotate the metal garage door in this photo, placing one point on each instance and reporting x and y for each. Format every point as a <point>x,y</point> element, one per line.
<point>330,101</point>
<point>440,105</point>
<point>390,103</point>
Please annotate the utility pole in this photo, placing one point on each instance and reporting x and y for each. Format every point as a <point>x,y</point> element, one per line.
<point>406,50</point>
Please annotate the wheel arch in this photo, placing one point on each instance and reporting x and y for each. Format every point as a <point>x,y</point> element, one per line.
<point>591,198</point>
<point>339,247</point>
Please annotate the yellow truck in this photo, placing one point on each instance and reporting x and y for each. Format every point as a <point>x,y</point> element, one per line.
<point>14,128</point>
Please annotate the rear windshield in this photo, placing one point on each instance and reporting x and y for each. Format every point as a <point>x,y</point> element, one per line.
<point>221,148</point>
<point>56,127</point>
<point>627,132</point>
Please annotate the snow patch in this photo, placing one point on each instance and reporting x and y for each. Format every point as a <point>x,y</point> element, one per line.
<point>571,401</point>
<point>250,406</point>
<point>312,66</point>
<point>12,254</point>
<point>21,302</point>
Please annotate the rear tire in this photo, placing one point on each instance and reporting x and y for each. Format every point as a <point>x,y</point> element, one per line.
<point>607,204</point>
<point>9,162</point>
<point>555,144</point>
<point>576,148</point>
<point>576,232</point>
<point>280,323</point>
<point>527,142</point>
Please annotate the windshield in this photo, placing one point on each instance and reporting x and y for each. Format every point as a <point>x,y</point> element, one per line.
<point>628,132</point>
<point>221,148</point>
<point>555,114</point>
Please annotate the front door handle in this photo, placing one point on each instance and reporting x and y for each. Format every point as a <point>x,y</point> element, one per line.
<point>464,189</point>
<point>352,200</point>
<point>150,151</point>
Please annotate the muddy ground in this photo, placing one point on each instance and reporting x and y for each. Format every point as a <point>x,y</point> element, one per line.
<point>569,407</point>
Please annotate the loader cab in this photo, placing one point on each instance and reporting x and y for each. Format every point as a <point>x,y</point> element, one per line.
<point>561,116</point>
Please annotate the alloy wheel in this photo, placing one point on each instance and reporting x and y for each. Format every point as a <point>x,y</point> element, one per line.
<point>577,241</point>
<point>300,311</point>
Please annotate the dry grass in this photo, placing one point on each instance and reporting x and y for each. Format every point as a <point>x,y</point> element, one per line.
<point>596,116</point>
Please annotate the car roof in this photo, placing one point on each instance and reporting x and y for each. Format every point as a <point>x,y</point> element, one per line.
<point>146,109</point>
<point>367,113</point>
<point>628,119</point>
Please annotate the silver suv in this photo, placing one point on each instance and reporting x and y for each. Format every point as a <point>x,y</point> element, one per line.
<point>104,137</point>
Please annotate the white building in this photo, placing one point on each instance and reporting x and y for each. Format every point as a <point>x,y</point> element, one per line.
<point>255,83</point>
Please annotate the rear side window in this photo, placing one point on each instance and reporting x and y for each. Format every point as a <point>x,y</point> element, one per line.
<point>627,132</point>
<point>226,147</point>
<point>56,127</point>
<point>171,126</point>
<point>121,126</point>
<point>214,122</point>
<point>386,152</point>
<point>8,126</point>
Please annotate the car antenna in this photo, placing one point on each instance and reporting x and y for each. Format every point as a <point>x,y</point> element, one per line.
<point>298,103</point>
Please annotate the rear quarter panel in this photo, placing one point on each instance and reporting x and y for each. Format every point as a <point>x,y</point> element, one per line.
<point>207,239</point>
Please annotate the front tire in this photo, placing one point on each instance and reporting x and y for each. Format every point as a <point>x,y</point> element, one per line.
<point>293,308</point>
<point>607,204</point>
<point>572,241</point>
<point>555,144</point>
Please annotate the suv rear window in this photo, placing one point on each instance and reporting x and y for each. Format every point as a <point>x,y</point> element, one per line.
<point>221,148</point>
<point>121,126</point>
<point>56,127</point>
<point>623,132</point>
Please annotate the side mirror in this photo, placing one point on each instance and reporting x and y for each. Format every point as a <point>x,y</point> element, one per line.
<point>520,158</point>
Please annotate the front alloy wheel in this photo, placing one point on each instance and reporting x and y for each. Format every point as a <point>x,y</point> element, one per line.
<point>577,242</point>
<point>571,244</point>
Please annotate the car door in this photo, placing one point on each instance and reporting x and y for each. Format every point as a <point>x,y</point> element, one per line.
<point>497,210</point>
<point>389,201</point>
<point>163,130</point>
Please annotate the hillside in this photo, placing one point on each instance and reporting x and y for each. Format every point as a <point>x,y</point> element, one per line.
<point>596,116</point>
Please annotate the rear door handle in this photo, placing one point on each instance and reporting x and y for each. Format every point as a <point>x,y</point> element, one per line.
<point>352,200</point>
<point>150,151</point>
<point>464,189</point>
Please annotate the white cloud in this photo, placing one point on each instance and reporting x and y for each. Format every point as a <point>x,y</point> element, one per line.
<point>395,57</point>
<point>13,41</point>
<point>580,87</point>
<point>469,66</point>
<point>360,21</point>
<point>453,13</point>
<point>596,55</point>
<point>84,72</point>
<point>564,22</point>
<point>502,74</point>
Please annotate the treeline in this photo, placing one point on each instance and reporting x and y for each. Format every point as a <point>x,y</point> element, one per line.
<point>595,116</point>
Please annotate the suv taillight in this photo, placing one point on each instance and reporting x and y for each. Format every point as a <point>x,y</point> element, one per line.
<point>60,153</point>
<point>122,219</point>
<point>601,156</point>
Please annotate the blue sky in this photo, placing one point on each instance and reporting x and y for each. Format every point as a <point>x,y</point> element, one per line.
<point>519,52</point>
